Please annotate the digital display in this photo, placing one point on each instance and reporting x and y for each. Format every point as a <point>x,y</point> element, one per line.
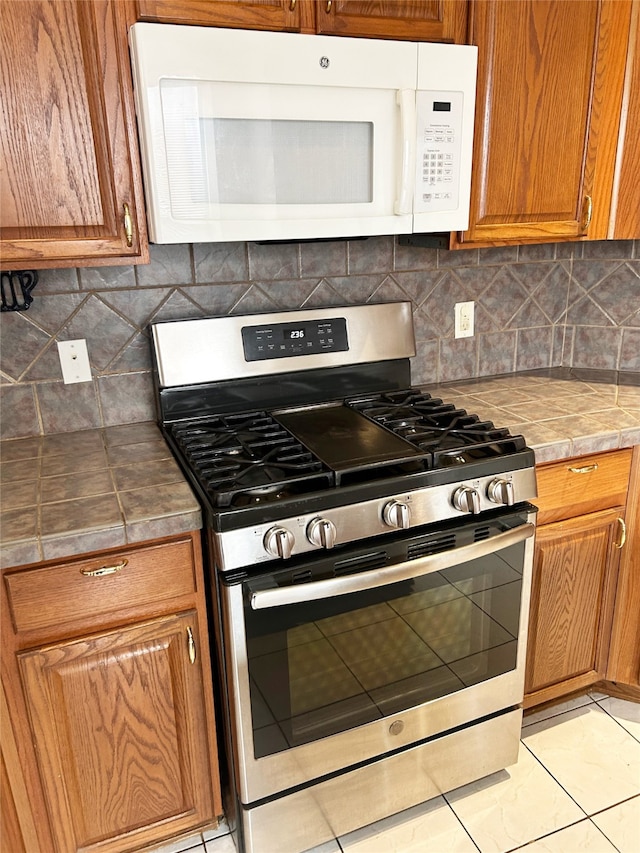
<point>284,340</point>
<point>442,106</point>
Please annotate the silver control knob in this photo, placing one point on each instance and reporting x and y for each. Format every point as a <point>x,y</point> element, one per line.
<point>501,492</point>
<point>396,514</point>
<point>466,499</point>
<point>321,532</point>
<point>278,541</point>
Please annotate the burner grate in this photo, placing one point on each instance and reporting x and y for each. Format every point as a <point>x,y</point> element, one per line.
<point>450,434</point>
<point>248,459</point>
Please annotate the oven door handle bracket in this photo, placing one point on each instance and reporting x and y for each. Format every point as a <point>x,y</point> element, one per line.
<point>315,590</point>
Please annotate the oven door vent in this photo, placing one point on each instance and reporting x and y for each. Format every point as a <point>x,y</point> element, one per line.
<point>481,533</point>
<point>301,576</point>
<point>362,563</point>
<point>431,546</point>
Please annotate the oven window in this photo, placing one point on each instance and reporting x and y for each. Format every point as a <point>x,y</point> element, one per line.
<point>323,667</point>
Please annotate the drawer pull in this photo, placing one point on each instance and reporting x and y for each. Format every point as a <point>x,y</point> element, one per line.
<point>623,533</point>
<point>586,469</point>
<point>104,570</point>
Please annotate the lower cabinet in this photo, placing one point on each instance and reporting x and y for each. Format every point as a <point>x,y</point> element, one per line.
<point>114,719</point>
<point>574,578</point>
<point>580,537</point>
<point>624,654</point>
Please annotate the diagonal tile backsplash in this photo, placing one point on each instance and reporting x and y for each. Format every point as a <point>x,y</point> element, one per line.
<point>536,306</point>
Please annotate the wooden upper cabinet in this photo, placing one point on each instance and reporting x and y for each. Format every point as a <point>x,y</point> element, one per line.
<point>625,213</point>
<point>69,163</point>
<point>550,77</point>
<point>247,14</point>
<point>418,20</point>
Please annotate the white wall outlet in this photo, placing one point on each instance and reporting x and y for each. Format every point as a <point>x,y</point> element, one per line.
<point>74,361</point>
<point>463,319</point>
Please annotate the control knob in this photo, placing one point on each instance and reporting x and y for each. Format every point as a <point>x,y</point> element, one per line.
<point>278,541</point>
<point>501,492</point>
<point>396,514</point>
<point>467,499</point>
<point>321,532</point>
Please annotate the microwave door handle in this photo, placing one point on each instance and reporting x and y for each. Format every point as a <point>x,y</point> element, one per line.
<point>406,100</point>
<point>315,590</point>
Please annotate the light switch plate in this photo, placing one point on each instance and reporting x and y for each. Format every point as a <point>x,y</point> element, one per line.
<point>74,361</point>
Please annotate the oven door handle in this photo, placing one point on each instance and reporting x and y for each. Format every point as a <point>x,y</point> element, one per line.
<point>261,599</point>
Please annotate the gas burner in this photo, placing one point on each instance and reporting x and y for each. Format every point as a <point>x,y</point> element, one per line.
<point>249,459</point>
<point>452,435</point>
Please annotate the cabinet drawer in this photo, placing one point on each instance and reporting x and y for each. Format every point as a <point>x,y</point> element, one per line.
<point>87,588</point>
<point>587,484</point>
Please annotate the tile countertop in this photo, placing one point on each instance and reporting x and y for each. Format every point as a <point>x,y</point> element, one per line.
<point>561,412</point>
<point>72,493</point>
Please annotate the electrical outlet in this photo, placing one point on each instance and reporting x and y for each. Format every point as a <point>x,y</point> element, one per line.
<point>74,361</point>
<point>463,319</point>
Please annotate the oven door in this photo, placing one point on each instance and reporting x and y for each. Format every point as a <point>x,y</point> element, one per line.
<point>374,648</point>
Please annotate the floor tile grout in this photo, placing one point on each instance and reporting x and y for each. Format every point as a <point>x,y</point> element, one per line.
<point>592,833</point>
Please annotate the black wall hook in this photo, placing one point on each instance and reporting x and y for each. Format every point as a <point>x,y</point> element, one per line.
<point>16,288</point>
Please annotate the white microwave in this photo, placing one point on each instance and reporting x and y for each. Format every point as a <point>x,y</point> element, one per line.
<point>249,135</point>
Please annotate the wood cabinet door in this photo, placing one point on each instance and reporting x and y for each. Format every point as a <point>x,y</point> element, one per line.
<point>572,595</point>
<point>116,719</point>
<point>248,14</point>
<point>625,215</point>
<point>69,165</point>
<point>624,653</point>
<point>418,20</point>
<point>547,115</point>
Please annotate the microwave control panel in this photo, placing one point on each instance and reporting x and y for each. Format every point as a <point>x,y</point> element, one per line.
<point>438,151</point>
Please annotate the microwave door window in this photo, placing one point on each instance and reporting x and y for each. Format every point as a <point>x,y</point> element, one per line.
<point>233,145</point>
<point>275,162</point>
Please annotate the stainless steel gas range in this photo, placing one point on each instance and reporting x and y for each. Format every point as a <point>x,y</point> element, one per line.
<point>370,550</point>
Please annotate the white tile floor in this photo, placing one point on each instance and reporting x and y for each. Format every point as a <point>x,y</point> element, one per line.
<point>575,789</point>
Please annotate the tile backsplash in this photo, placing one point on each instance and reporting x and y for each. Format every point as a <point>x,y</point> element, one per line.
<point>536,306</point>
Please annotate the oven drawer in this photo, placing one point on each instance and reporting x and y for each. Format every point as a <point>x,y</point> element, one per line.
<point>586,484</point>
<point>87,588</point>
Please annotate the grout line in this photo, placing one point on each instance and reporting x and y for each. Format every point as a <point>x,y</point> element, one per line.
<point>609,714</point>
<point>546,769</point>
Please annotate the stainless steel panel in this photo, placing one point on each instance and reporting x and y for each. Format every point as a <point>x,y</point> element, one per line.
<point>244,547</point>
<point>302,820</point>
<point>190,352</point>
<point>390,574</point>
<point>259,778</point>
